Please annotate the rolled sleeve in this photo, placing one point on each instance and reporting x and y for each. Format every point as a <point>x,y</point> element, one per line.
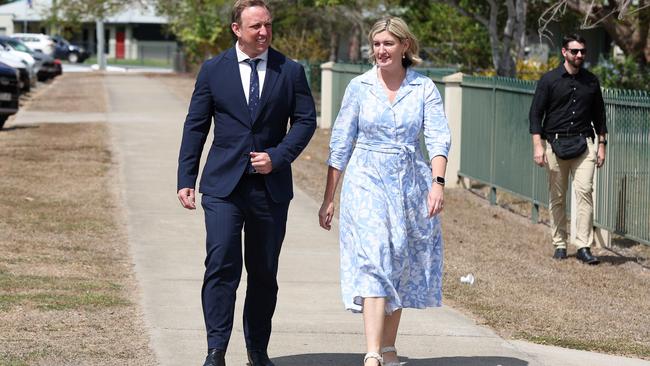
<point>344,131</point>
<point>437,136</point>
<point>538,108</point>
<point>599,115</point>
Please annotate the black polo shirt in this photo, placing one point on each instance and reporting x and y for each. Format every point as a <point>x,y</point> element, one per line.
<point>567,104</point>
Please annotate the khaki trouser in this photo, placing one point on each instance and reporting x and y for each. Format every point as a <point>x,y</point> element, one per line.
<point>582,169</point>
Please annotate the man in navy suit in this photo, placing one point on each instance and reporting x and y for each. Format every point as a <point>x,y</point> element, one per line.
<point>253,92</point>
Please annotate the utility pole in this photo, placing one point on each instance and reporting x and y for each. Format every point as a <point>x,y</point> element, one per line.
<point>101,56</point>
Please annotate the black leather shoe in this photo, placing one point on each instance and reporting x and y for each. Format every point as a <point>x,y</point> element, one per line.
<point>215,358</point>
<point>584,255</point>
<point>259,358</point>
<point>560,253</point>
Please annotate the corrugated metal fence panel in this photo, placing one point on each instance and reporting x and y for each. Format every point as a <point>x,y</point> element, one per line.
<point>513,167</point>
<point>623,184</point>
<point>478,126</point>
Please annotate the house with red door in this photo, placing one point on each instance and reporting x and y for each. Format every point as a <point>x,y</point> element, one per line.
<point>135,32</point>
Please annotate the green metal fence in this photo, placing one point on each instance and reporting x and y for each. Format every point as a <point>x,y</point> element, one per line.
<point>623,184</point>
<point>344,73</point>
<point>497,150</point>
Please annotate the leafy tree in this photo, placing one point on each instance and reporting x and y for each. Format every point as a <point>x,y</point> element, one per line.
<point>71,13</point>
<point>202,26</point>
<point>627,22</point>
<point>506,30</point>
<point>447,37</point>
<point>325,24</point>
<point>622,74</point>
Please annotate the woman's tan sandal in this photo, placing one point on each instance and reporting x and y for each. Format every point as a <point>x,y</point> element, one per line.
<point>390,349</point>
<point>374,355</point>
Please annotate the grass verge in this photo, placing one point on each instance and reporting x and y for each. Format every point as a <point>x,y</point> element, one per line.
<point>66,281</point>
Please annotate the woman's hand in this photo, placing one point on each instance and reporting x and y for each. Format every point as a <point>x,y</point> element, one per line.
<point>325,215</point>
<point>435,199</point>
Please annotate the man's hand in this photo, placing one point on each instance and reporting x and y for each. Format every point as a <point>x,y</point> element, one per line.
<point>600,157</point>
<point>261,162</point>
<point>186,196</point>
<point>539,156</point>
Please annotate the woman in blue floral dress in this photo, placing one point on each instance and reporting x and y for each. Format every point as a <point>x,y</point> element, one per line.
<point>391,242</point>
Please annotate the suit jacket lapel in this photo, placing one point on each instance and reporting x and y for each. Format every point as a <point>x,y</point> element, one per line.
<point>232,70</point>
<point>273,70</point>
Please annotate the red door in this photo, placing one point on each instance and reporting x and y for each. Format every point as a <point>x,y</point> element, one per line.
<point>119,45</point>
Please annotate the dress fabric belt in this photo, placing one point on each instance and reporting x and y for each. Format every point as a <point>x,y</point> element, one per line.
<point>406,154</point>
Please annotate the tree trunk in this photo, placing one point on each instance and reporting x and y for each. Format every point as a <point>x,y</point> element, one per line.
<point>493,32</point>
<point>334,45</point>
<point>514,33</point>
<point>354,45</point>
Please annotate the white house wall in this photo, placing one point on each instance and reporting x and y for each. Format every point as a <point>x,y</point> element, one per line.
<point>6,24</point>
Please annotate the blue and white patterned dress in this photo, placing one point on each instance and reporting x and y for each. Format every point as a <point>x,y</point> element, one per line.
<point>389,247</point>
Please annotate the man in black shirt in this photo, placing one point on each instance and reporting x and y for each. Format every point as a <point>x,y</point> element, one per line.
<point>567,108</point>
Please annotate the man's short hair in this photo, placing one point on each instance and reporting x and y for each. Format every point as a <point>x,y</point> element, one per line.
<point>240,5</point>
<point>571,38</point>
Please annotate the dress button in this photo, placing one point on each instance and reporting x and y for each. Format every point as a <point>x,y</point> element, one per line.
<point>574,112</point>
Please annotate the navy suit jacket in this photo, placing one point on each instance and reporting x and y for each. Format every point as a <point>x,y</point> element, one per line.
<point>218,94</point>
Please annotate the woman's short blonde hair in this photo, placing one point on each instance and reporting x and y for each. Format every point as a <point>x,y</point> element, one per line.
<point>400,30</point>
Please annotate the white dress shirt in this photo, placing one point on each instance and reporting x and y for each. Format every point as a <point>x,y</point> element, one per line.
<point>245,69</point>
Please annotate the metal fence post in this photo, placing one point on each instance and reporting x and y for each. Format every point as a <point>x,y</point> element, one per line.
<point>493,189</point>
<point>602,236</point>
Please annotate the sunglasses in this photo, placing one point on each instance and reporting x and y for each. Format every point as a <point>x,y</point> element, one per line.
<point>574,51</point>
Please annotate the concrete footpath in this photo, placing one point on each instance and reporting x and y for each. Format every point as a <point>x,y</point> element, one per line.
<point>310,326</point>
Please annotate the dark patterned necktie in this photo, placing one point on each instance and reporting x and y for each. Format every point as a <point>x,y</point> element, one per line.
<point>254,88</point>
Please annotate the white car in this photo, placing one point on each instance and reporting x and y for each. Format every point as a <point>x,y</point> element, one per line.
<point>26,58</point>
<point>24,71</point>
<point>37,41</point>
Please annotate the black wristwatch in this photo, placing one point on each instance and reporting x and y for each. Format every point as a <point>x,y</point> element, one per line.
<point>604,142</point>
<point>439,180</point>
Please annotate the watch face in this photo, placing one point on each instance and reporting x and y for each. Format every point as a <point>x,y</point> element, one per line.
<point>440,180</point>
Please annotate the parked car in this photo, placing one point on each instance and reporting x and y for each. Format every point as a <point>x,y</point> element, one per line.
<point>65,50</point>
<point>21,51</point>
<point>50,67</point>
<point>47,66</point>
<point>37,42</point>
<point>24,70</point>
<point>9,92</point>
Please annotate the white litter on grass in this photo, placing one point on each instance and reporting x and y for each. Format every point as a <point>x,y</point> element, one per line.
<point>468,279</point>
